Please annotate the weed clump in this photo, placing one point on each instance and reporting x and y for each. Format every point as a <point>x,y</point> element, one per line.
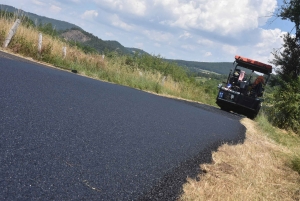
<point>296,164</point>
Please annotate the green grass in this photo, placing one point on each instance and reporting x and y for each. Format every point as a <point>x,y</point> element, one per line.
<point>201,79</point>
<point>295,163</point>
<point>282,137</point>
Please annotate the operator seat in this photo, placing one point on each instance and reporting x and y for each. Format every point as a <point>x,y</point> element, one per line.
<point>234,80</point>
<point>257,86</point>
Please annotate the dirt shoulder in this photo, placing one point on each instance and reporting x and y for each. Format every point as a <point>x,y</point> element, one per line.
<point>254,170</point>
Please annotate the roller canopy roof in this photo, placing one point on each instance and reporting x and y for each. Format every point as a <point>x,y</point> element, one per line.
<point>253,65</point>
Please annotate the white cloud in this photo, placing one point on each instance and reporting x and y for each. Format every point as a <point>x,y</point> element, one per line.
<point>204,41</point>
<point>165,22</point>
<point>55,9</point>
<point>261,47</point>
<point>117,22</point>
<point>264,9</point>
<point>185,35</point>
<point>109,34</point>
<point>208,54</point>
<point>39,3</point>
<point>89,15</point>
<point>258,48</point>
<point>158,36</point>
<point>139,45</point>
<point>224,17</point>
<point>136,7</point>
<point>229,49</point>
<point>188,47</point>
<point>269,39</point>
<point>172,55</point>
<point>157,45</point>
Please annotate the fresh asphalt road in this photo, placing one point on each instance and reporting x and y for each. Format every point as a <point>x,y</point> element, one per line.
<point>68,137</point>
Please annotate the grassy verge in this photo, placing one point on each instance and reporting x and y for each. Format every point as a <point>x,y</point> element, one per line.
<point>265,167</point>
<point>284,138</point>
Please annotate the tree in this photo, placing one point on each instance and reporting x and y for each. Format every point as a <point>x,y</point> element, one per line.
<point>288,60</point>
<point>285,112</point>
<point>290,10</point>
<point>48,29</point>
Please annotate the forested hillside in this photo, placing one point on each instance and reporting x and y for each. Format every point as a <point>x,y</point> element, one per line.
<point>222,68</point>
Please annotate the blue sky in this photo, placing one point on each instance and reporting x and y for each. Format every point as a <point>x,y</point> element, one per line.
<point>195,30</point>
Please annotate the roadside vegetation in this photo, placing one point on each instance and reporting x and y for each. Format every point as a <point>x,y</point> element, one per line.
<point>265,167</point>
<point>285,108</point>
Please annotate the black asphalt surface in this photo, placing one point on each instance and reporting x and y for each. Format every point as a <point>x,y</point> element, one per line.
<point>68,137</point>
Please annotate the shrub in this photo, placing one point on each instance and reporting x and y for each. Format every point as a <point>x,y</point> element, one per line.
<point>296,164</point>
<point>285,112</point>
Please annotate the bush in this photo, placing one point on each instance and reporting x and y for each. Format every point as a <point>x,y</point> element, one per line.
<point>48,29</point>
<point>285,112</point>
<point>296,164</point>
<point>21,45</point>
<point>157,63</point>
<point>158,88</point>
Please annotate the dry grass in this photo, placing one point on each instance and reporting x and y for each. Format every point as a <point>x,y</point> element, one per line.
<point>255,170</point>
<point>27,38</point>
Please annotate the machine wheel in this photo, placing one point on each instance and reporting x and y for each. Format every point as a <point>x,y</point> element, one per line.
<point>252,115</point>
<point>224,108</point>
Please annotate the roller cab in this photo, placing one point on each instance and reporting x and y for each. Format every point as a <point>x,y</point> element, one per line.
<point>243,91</point>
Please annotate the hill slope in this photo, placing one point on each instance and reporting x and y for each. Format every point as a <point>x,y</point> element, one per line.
<point>88,39</point>
<point>222,68</point>
<point>58,24</point>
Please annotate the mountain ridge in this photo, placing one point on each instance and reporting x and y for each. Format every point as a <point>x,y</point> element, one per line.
<point>37,19</point>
